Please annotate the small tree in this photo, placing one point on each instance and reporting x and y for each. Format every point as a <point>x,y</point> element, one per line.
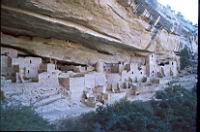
<point>2,96</point>
<point>179,14</point>
<point>185,57</point>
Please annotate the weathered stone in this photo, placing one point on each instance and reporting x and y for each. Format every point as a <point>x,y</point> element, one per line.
<point>159,75</point>
<point>144,79</point>
<point>97,25</point>
<point>155,80</point>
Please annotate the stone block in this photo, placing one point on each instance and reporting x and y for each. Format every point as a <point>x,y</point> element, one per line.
<point>103,97</point>
<point>92,99</point>
<point>155,80</point>
<point>98,89</point>
<point>134,91</point>
<point>64,82</point>
<point>89,103</point>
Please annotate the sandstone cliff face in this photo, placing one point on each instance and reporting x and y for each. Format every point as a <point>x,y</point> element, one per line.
<point>110,28</point>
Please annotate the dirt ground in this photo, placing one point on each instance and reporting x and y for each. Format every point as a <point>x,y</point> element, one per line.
<point>62,108</point>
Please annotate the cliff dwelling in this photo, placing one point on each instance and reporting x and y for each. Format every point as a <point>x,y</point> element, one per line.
<point>82,82</point>
<point>65,60</point>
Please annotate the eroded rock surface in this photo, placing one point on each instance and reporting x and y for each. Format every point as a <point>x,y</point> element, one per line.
<point>95,23</point>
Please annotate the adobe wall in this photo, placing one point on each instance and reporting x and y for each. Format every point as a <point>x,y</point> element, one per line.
<point>100,66</point>
<point>29,64</point>
<point>173,67</point>
<point>151,65</point>
<point>6,69</point>
<point>48,79</point>
<point>89,80</point>
<point>100,79</point>
<point>76,87</point>
<point>168,69</point>
<point>113,79</point>
<point>5,61</point>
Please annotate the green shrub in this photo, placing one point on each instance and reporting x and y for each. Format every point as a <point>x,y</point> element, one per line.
<point>22,118</point>
<point>175,112</point>
<point>34,79</point>
<point>185,58</point>
<point>2,96</point>
<point>178,108</point>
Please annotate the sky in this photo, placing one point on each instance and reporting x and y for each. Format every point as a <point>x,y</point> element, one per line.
<point>188,8</point>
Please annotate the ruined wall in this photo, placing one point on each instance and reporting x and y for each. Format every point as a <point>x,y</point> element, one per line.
<point>5,66</point>
<point>151,65</point>
<point>30,65</point>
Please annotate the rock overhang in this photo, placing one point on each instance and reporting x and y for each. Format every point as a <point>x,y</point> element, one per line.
<point>23,20</point>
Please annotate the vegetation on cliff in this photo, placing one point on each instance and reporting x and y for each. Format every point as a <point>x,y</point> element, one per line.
<point>167,114</point>
<point>2,97</point>
<point>185,58</point>
<point>173,110</point>
<point>21,118</point>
